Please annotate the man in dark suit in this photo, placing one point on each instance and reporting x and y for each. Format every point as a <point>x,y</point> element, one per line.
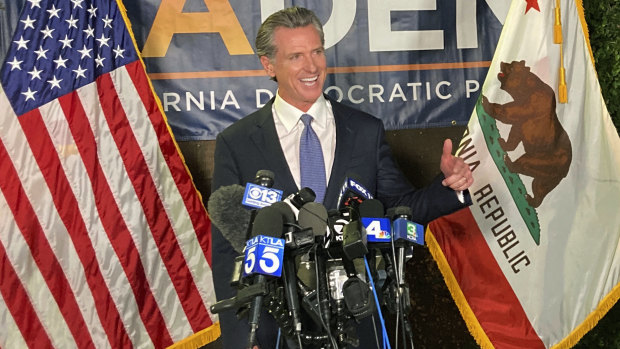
<point>290,46</point>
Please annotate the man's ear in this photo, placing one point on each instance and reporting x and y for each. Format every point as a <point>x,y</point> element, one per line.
<point>266,62</point>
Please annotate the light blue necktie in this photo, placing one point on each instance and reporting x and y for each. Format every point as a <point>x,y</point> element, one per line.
<point>311,161</point>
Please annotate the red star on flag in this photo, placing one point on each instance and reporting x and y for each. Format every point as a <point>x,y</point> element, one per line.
<point>532,4</point>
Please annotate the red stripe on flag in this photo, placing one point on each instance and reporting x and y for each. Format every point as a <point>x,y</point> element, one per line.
<point>114,223</point>
<point>46,156</point>
<point>13,292</point>
<point>157,219</point>
<point>482,282</point>
<point>19,305</point>
<point>202,226</point>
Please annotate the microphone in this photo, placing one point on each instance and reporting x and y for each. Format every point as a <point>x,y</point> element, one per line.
<point>352,193</point>
<point>356,293</point>
<point>358,298</point>
<point>298,199</point>
<point>290,272</point>
<point>313,215</point>
<point>259,193</point>
<point>404,230</point>
<point>264,178</point>
<point>263,256</point>
<point>248,263</point>
<point>337,221</point>
<point>229,215</point>
<point>378,227</point>
<point>354,241</point>
<point>405,233</point>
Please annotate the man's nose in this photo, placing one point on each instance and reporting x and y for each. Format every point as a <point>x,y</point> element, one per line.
<point>310,64</point>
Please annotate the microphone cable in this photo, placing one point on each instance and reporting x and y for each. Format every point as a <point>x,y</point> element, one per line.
<point>400,310</point>
<point>398,291</point>
<point>326,326</point>
<point>386,341</point>
<point>374,328</point>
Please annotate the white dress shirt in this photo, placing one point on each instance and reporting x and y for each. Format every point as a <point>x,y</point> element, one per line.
<point>289,128</point>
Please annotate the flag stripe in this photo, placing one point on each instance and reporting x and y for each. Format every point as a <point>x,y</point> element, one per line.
<point>101,196</point>
<point>129,205</point>
<point>16,299</point>
<point>177,167</point>
<point>145,188</point>
<point>459,237</point>
<point>113,222</point>
<point>77,176</point>
<point>68,209</point>
<point>55,231</point>
<point>45,260</point>
<point>177,199</point>
<point>9,330</point>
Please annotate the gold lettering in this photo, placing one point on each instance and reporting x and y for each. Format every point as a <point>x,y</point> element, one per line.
<point>170,19</point>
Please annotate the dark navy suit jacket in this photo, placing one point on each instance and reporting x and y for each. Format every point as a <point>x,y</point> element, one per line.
<point>251,144</point>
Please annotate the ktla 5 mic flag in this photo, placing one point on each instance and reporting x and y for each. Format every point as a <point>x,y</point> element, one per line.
<point>534,262</point>
<point>103,239</point>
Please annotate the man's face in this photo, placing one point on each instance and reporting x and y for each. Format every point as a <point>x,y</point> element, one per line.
<point>299,65</point>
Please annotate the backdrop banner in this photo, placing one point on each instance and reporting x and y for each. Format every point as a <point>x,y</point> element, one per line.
<point>412,64</point>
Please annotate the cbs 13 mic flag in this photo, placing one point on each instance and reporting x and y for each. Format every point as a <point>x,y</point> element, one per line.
<point>535,262</point>
<point>104,241</point>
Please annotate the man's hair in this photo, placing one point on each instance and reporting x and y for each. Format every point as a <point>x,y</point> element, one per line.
<point>292,17</point>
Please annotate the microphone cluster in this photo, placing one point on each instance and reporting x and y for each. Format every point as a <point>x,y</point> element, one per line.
<point>274,236</point>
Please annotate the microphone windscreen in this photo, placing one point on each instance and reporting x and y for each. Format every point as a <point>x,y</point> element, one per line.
<point>228,214</point>
<point>264,178</point>
<point>313,215</point>
<point>303,196</point>
<point>287,213</point>
<point>399,211</point>
<point>268,222</point>
<point>371,208</point>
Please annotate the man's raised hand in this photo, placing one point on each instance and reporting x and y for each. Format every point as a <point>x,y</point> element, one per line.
<point>457,172</point>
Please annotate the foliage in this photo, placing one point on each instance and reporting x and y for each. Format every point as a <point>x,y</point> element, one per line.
<point>603,18</point>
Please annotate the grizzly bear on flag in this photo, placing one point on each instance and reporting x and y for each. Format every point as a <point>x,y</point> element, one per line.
<point>535,124</point>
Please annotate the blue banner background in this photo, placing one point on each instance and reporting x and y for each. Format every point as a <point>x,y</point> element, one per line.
<point>227,99</point>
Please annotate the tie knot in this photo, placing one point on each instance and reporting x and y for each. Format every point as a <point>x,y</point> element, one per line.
<point>306,119</point>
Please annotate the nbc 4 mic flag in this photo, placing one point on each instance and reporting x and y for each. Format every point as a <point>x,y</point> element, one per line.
<point>534,262</point>
<point>104,241</point>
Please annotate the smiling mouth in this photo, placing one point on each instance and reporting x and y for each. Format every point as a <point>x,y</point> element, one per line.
<point>310,81</point>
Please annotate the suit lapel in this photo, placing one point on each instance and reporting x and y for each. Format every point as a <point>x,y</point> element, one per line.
<point>265,138</point>
<point>345,140</point>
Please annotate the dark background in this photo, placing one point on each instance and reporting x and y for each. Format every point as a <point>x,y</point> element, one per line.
<point>435,319</point>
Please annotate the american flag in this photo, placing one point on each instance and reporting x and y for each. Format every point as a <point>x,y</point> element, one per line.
<point>103,239</point>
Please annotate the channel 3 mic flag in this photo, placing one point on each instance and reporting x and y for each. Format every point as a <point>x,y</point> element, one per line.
<point>408,231</point>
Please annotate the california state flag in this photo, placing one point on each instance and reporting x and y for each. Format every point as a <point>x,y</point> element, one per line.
<point>535,261</point>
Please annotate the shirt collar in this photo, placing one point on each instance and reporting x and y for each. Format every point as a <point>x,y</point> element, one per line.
<point>289,115</point>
